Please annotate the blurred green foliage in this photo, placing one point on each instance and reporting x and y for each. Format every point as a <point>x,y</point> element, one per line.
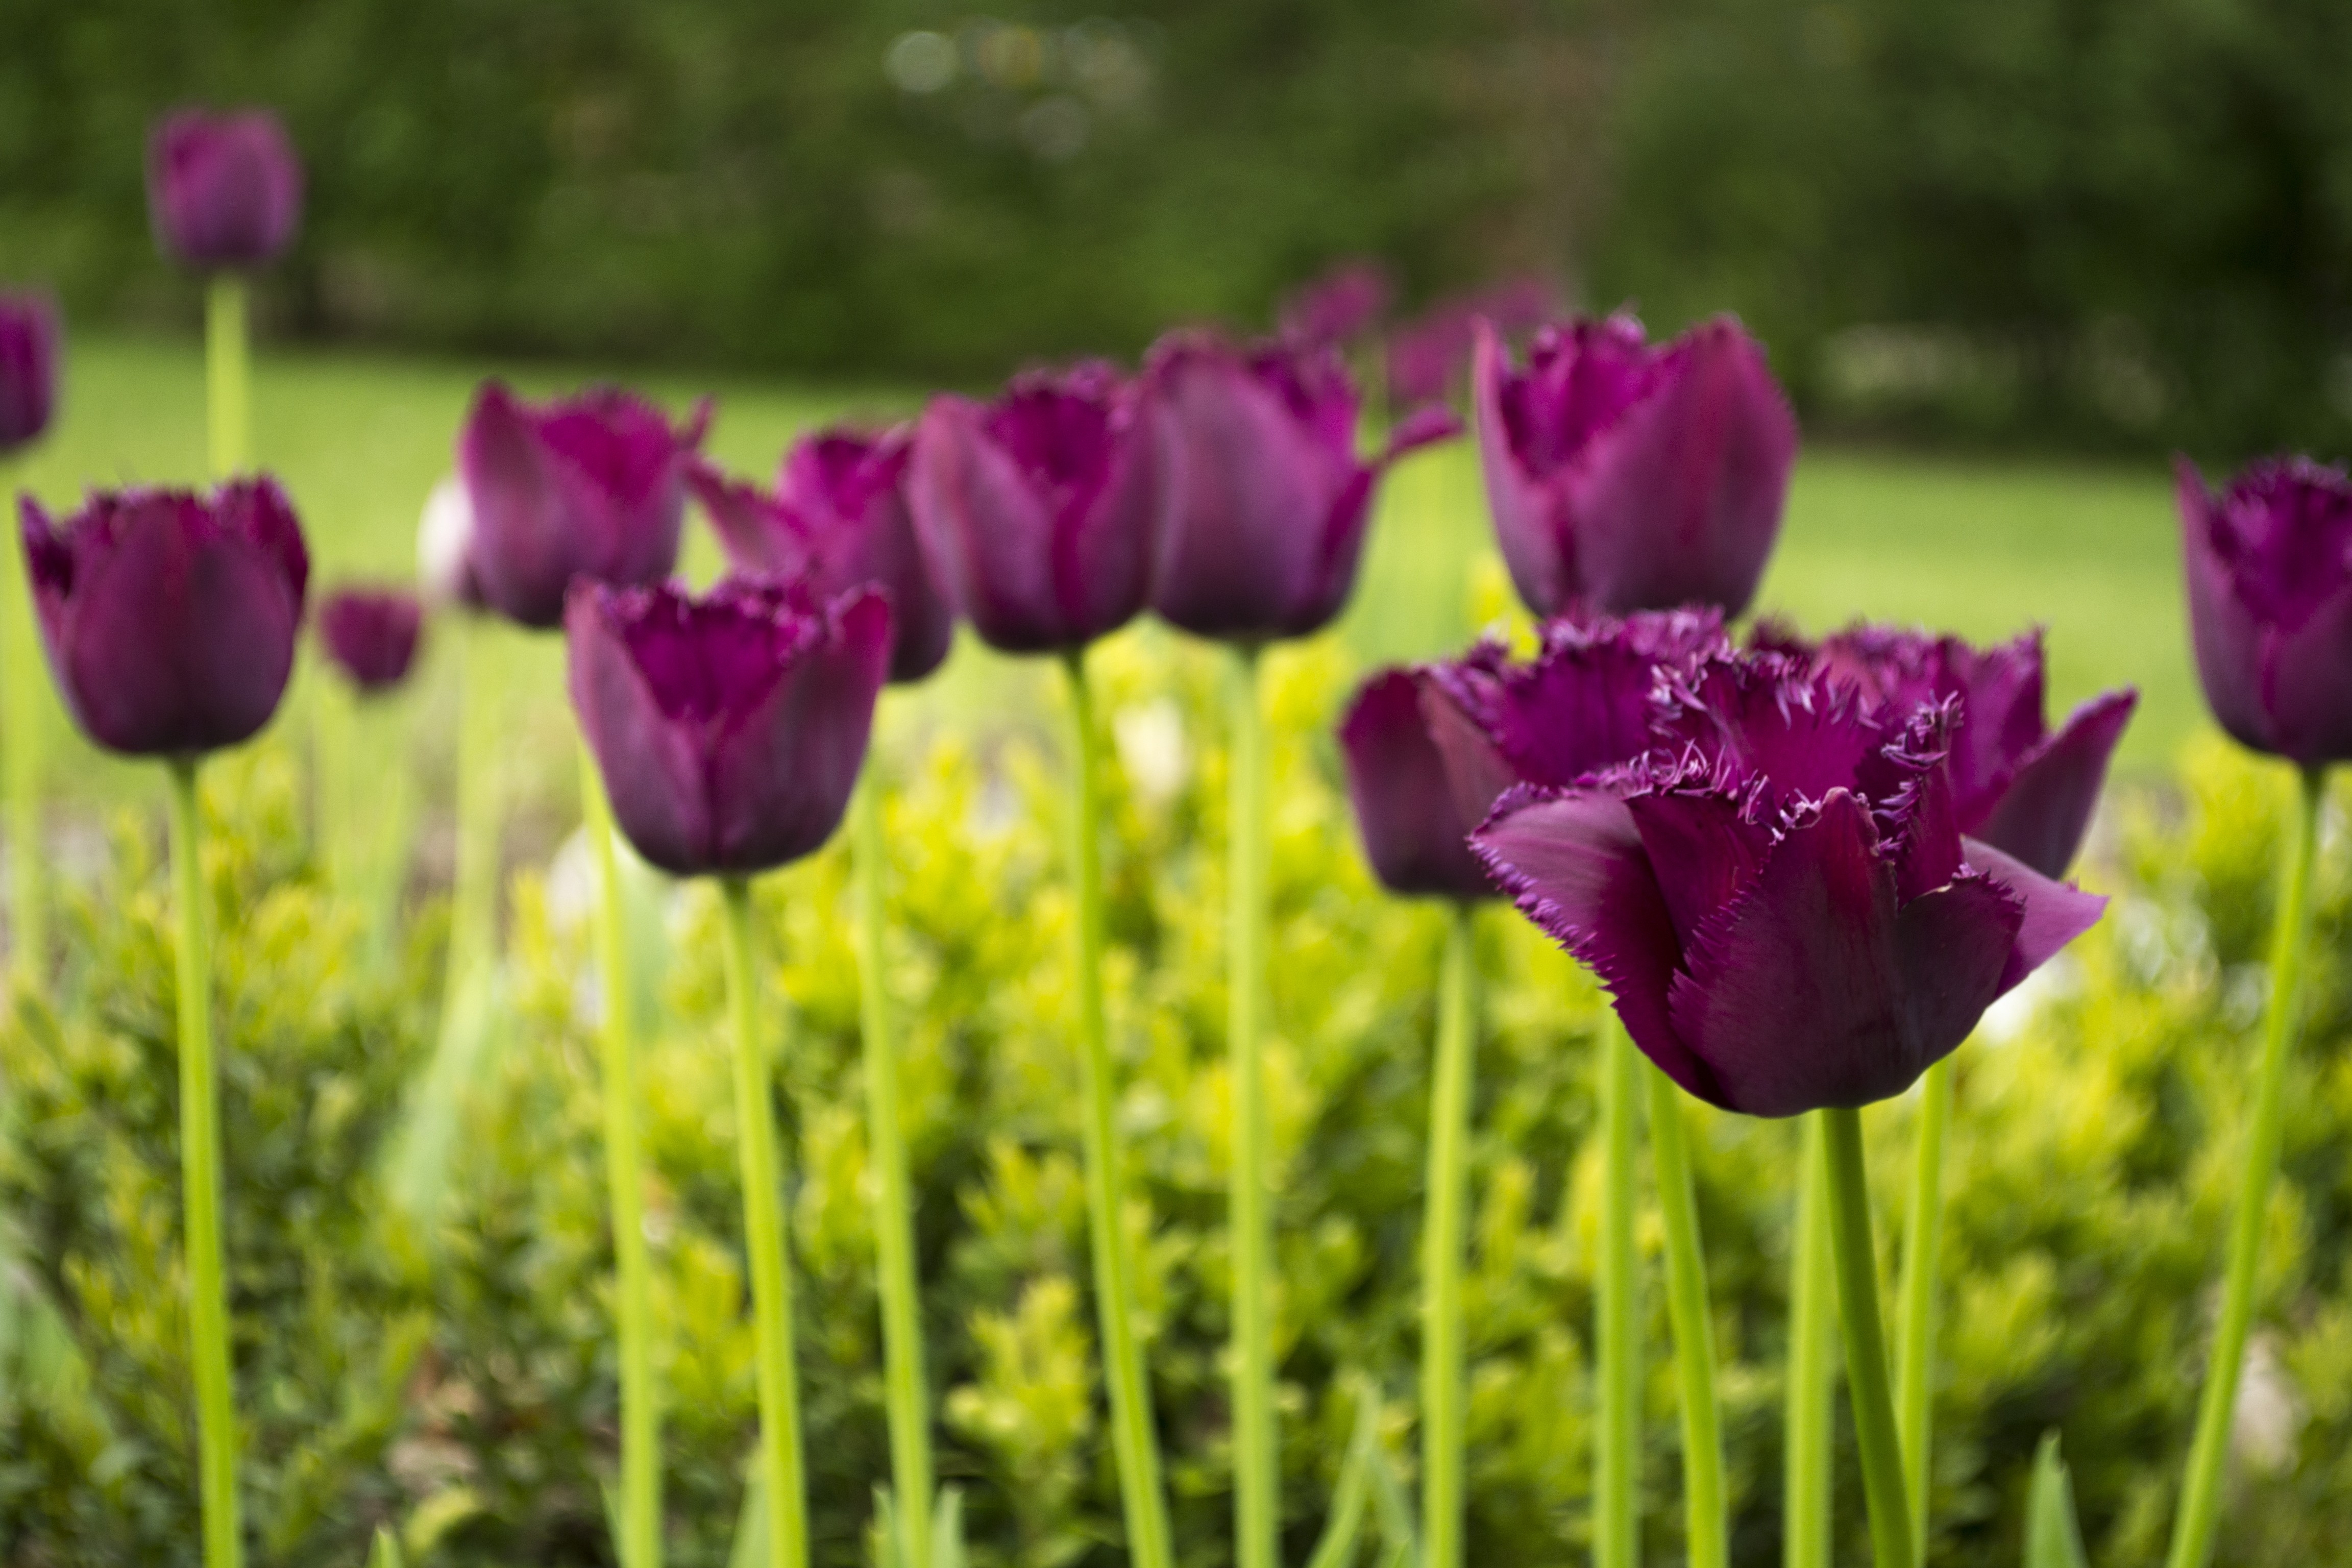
<point>456,1383</point>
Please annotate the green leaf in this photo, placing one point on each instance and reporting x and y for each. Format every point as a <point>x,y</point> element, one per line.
<point>1346,1525</point>
<point>416,1171</point>
<point>1395,1509</point>
<point>749,1548</point>
<point>947,1530</point>
<point>2052,1539</point>
<point>890,1545</point>
<point>385,1552</point>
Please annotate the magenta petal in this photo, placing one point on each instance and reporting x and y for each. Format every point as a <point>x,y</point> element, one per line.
<point>759,536</point>
<point>28,367</point>
<point>1421,428</point>
<point>1573,861</point>
<point>1537,546</point>
<point>988,533</point>
<point>2056,912</point>
<point>652,769</point>
<point>2228,640</point>
<point>1956,947</point>
<point>1702,852</point>
<point>370,634</point>
<point>781,778</point>
<point>1414,829</point>
<point>1475,772</point>
<point>2041,816</point>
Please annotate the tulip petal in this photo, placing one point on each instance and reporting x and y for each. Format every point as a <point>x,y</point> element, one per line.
<point>782,774</point>
<point>1703,851</point>
<point>652,768</point>
<point>1476,773</point>
<point>2228,639</point>
<point>1537,545</point>
<point>2056,912</point>
<point>2041,816</point>
<point>1414,831</point>
<point>988,533</point>
<point>760,535</point>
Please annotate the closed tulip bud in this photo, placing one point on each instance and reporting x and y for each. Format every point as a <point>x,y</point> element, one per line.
<point>224,192</point>
<point>1779,899</point>
<point>2016,785</point>
<point>1263,499</point>
<point>1420,777</point>
<point>2269,605</point>
<point>728,729</point>
<point>169,616</point>
<point>1036,510</point>
<point>1628,476</point>
<point>590,486</point>
<point>370,635</point>
<point>838,518</point>
<point>28,368</point>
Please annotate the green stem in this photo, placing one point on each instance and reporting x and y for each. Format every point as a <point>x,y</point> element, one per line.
<point>1865,1344</point>
<point>2201,1503</point>
<point>200,1187</point>
<point>1686,1301</point>
<point>1134,1433</point>
<point>1916,1337</point>
<point>227,375</point>
<point>764,1239</point>
<point>20,735</point>
<point>906,1390</point>
<point>1442,1359</point>
<point>1257,1476</point>
<point>474,897</point>
<point>641,1478</point>
<point>1806,1495</point>
<point>1617,1478</point>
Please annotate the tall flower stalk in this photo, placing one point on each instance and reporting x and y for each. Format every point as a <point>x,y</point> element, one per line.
<point>1883,1492</point>
<point>1914,1342</point>
<point>1257,1474</point>
<point>1707,1526</point>
<point>28,391</point>
<point>1443,1372</point>
<point>1617,1319</point>
<point>228,374</point>
<point>1808,1405</point>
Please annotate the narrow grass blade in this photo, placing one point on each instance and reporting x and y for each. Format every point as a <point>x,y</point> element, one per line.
<point>2052,1538</point>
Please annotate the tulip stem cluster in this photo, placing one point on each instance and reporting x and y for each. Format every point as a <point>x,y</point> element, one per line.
<point>1866,1342</point>
<point>1441,1387</point>
<point>1916,1341</point>
<point>1616,1485</point>
<point>1811,1365</point>
<point>1708,1544</point>
<point>200,1186</point>
<point>1257,1516</point>
<point>2201,1503</point>
<point>641,1481</point>
<point>1134,1435</point>
<point>765,1243</point>
<point>228,377</point>
<point>904,1385</point>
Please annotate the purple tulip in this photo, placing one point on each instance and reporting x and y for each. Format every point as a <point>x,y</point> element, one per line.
<point>169,616</point>
<point>838,517</point>
<point>1036,510</point>
<point>728,729</point>
<point>1781,900</point>
<point>224,192</point>
<point>2269,605</point>
<point>1263,500</point>
<point>590,486</point>
<point>1429,358</point>
<point>372,634</point>
<point>1627,476</point>
<point>1339,306</point>
<point>1420,777</point>
<point>2016,786</point>
<point>28,367</point>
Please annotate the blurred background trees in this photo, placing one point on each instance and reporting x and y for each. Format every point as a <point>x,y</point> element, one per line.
<point>2086,222</point>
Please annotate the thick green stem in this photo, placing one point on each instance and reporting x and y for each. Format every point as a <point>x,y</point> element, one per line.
<point>641,1478</point>
<point>200,1187</point>
<point>1865,1344</point>
<point>2200,1501</point>
<point>906,1396</point>
<point>1257,1461</point>
<point>1687,1302</point>
<point>20,739</point>
<point>228,374</point>
<point>1916,1335</point>
<point>1617,1466</point>
<point>1442,1369</point>
<point>1806,1478</point>
<point>1135,1443</point>
<point>764,1242</point>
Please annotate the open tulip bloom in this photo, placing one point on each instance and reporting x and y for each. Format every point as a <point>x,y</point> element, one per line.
<point>170,619</point>
<point>28,395</point>
<point>2269,564</point>
<point>729,731</point>
<point>1627,475</point>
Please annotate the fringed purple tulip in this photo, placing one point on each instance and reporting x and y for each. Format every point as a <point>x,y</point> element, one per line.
<point>590,486</point>
<point>729,729</point>
<point>1263,500</point>
<point>837,519</point>
<point>370,635</point>
<point>2021,789</point>
<point>1420,778</point>
<point>28,368</point>
<point>1627,476</point>
<point>169,616</point>
<point>1428,359</point>
<point>1338,307</point>
<point>224,191</point>
<point>1780,901</point>
<point>1036,510</point>
<point>2269,605</point>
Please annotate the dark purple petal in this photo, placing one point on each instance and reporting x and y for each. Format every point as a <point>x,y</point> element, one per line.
<point>28,367</point>
<point>761,536</point>
<point>2056,912</point>
<point>1476,773</point>
<point>370,634</point>
<point>848,487</point>
<point>1414,832</point>
<point>2041,816</point>
<point>222,191</point>
<point>170,617</point>
<point>1342,303</point>
<point>1537,546</point>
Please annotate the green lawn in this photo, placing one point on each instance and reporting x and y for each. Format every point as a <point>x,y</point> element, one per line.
<point>1985,548</point>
